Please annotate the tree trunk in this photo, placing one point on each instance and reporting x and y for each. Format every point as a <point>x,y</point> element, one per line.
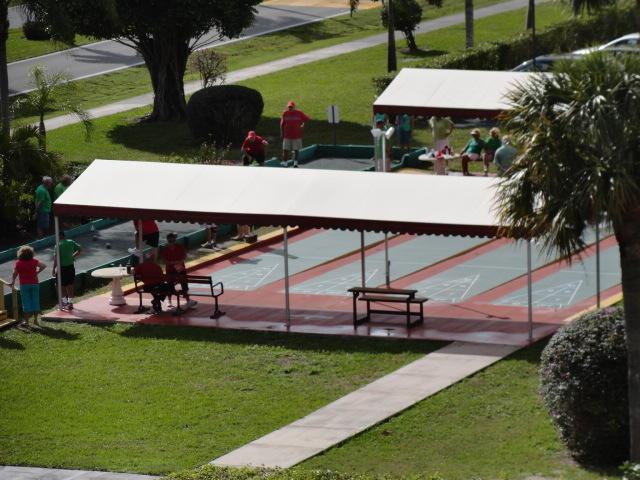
<point>4,74</point>
<point>42,134</point>
<point>468,22</point>
<point>166,61</point>
<point>392,63</point>
<point>411,41</point>
<point>628,236</point>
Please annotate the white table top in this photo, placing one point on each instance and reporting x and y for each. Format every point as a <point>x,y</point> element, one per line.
<point>111,272</point>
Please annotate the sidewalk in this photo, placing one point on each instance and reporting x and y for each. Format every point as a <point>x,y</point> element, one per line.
<point>289,62</point>
<point>366,407</point>
<point>33,473</point>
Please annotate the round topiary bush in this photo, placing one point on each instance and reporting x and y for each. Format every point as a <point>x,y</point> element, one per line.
<point>224,113</point>
<point>35,30</point>
<point>584,387</point>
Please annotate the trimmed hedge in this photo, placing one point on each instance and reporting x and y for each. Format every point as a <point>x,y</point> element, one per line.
<point>210,472</point>
<point>36,30</point>
<point>564,37</point>
<point>584,386</point>
<point>223,114</point>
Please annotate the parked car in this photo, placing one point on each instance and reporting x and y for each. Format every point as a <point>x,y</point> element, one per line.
<point>544,63</point>
<point>630,40</point>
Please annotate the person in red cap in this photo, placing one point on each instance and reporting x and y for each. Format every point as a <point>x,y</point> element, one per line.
<point>291,128</point>
<point>253,149</point>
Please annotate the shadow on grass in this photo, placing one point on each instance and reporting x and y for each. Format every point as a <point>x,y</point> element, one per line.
<point>313,32</point>
<point>173,138</point>
<point>162,138</point>
<point>56,334</point>
<point>296,341</point>
<point>419,54</point>
<point>8,344</point>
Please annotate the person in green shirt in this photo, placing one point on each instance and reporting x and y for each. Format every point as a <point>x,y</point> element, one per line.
<point>62,185</point>
<point>404,123</point>
<point>491,144</point>
<point>69,250</point>
<point>43,206</point>
<point>471,152</point>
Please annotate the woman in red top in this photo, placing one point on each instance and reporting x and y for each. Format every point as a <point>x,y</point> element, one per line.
<point>26,270</point>
<point>174,256</point>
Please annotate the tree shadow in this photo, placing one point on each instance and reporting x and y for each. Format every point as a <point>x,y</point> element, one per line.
<point>8,344</point>
<point>296,341</point>
<point>419,54</point>
<point>161,138</point>
<point>174,138</point>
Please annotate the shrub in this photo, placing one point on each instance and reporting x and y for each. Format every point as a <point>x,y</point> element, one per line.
<point>210,472</point>
<point>584,386</point>
<point>223,114</point>
<point>564,37</point>
<point>35,30</point>
<point>211,65</point>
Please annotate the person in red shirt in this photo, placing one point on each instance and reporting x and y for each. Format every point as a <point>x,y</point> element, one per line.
<point>154,280</point>
<point>253,149</point>
<point>150,235</point>
<point>26,270</point>
<point>174,255</point>
<point>291,130</point>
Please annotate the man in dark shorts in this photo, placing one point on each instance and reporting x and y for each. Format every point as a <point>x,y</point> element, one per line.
<point>253,149</point>
<point>69,250</point>
<point>150,235</point>
<point>174,255</point>
<point>155,282</point>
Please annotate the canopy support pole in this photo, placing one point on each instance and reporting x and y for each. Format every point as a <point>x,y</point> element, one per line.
<point>387,275</point>
<point>598,264</point>
<point>56,225</point>
<point>140,245</point>
<point>529,292</point>
<point>362,266</point>
<point>286,277</point>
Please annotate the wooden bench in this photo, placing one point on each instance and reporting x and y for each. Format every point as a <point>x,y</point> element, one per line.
<point>387,295</point>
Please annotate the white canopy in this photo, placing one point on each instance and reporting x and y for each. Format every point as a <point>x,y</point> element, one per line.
<point>392,202</point>
<point>458,93</point>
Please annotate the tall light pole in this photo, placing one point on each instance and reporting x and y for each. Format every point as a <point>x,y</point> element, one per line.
<point>531,25</point>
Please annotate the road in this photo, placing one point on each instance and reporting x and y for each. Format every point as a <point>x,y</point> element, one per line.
<point>108,56</point>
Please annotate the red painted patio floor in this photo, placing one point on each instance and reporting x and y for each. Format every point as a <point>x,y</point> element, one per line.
<point>474,320</point>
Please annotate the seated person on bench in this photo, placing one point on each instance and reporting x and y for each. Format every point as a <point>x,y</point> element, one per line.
<point>155,282</point>
<point>174,256</point>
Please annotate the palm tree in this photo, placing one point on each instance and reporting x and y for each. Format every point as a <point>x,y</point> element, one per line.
<point>392,62</point>
<point>22,164</point>
<point>580,164</point>
<point>468,22</point>
<point>53,92</point>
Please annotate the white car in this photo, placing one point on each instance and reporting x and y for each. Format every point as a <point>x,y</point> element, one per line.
<point>631,40</point>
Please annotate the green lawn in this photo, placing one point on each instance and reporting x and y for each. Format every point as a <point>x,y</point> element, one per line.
<point>19,48</point>
<point>344,80</point>
<point>103,89</point>
<point>158,399</point>
<point>489,426</point>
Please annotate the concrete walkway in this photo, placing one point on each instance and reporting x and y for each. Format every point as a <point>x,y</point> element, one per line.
<point>32,473</point>
<point>293,61</point>
<point>366,407</point>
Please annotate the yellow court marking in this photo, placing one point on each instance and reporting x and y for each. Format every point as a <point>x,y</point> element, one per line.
<point>607,302</point>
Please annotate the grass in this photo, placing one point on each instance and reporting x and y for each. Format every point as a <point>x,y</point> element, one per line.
<point>491,425</point>
<point>344,80</point>
<point>100,90</point>
<point>156,399</point>
<point>19,48</point>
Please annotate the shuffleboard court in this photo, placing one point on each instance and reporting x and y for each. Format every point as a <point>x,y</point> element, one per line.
<point>406,258</point>
<point>95,252</point>
<point>329,163</point>
<point>570,285</point>
<point>252,273</point>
